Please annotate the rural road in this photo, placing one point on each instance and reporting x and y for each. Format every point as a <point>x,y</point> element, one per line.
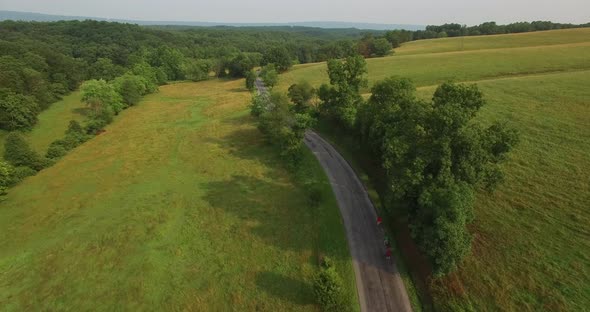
<point>379,284</point>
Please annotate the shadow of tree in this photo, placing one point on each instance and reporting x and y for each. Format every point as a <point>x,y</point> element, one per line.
<point>285,288</point>
<point>271,206</point>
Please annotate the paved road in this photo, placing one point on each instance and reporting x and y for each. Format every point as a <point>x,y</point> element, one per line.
<point>379,285</point>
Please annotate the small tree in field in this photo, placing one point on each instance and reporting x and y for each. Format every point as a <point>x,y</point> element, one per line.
<point>328,288</point>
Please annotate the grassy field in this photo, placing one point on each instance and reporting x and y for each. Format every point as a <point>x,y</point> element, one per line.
<point>532,243</point>
<point>180,205</point>
<point>540,38</point>
<point>53,122</point>
<point>434,68</point>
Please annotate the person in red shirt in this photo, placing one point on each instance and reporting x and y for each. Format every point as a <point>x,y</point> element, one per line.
<point>388,253</point>
<point>379,221</point>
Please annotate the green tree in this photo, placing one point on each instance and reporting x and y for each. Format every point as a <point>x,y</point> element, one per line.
<point>280,57</point>
<point>329,289</point>
<point>270,76</point>
<point>301,94</point>
<point>197,70</point>
<point>100,95</point>
<point>250,80</point>
<point>104,68</point>
<point>149,74</point>
<point>131,88</point>
<point>434,157</point>
<point>17,111</point>
<point>341,99</point>
<point>381,47</point>
<point>18,152</point>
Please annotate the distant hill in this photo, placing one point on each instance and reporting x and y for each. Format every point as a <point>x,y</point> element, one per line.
<point>39,17</point>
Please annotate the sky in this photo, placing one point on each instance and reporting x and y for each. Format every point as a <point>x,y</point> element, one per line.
<point>421,12</point>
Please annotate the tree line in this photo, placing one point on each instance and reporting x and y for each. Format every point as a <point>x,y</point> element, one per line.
<point>397,37</point>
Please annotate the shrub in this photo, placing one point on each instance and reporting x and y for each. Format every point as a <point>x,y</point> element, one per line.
<point>20,173</point>
<point>99,120</point>
<point>6,174</point>
<point>57,149</point>
<point>328,289</point>
<point>18,152</point>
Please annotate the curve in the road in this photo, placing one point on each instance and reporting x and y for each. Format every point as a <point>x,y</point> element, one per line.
<point>379,284</point>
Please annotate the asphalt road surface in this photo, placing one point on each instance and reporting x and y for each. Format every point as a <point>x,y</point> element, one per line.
<point>379,285</point>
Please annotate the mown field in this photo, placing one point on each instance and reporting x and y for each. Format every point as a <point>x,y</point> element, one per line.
<point>532,244</point>
<point>180,205</point>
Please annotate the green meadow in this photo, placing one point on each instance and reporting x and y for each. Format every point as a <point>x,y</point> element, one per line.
<point>179,205</point>
<point>433,68</point>
<point>53,122</point>
<point>532,244</point>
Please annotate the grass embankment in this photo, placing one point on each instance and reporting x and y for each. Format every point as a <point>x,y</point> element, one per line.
<point>532,245</point>
<point>180,205</point>
<point>53,123</point>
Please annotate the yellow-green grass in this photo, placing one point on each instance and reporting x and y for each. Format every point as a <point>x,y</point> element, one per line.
<point>430,69</point>
<point>180,205</point>
<point>532,241</point>
<point>53,122</point>
<point>531,39</point>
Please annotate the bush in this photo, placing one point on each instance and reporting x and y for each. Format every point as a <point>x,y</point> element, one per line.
<point>20,173</point>
<point>328,289</point>
<point>6,174</point>
<point>57,149</point>
<point>99,120</point>
<point>131,88</point>
<point>18,152</point>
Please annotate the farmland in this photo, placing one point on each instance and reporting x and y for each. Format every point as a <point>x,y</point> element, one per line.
<point>531,249</point>
<point>180,204</point>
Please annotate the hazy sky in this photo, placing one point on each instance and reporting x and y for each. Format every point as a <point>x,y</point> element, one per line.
<point>375,11</point>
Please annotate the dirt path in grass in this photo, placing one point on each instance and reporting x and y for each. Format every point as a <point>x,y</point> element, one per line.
<point>379,285</point>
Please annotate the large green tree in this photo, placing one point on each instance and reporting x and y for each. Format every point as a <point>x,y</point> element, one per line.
<point>18,152</point>
<point>269,76</point>
<point>301,94</point>
<point>17,111</point>
<point>341,99</point>
<point>434,157</point>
